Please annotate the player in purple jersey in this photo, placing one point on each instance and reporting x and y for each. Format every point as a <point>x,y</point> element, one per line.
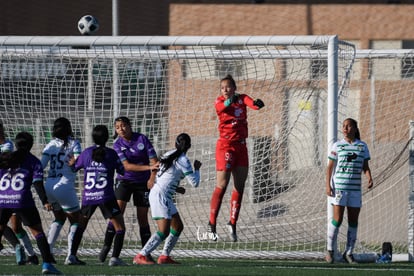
<point>141,163</point>
<point>99,164</point>
<point>16,235</point>
<point>19,170</point>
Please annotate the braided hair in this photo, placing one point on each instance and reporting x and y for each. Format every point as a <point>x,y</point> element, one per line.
<point>182,144</point>
<point>62,129</point>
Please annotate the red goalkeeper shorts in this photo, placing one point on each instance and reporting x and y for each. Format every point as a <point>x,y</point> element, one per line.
<point>231,154</point>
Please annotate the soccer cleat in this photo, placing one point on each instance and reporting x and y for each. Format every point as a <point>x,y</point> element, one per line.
<point>33,260</point>
<point>330,257</point>
<point>20,255</point>
<point>73,260</point>
<point>349,258</point>
<point>142,260</point>
<point>104,252</point>
<point>212,233</point>
<point>166,260</point>
<point>114,261</point>
<point>48,268</point>
<point>232,231</point>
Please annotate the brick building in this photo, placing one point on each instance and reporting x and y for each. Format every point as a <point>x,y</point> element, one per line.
<point>367,23</point>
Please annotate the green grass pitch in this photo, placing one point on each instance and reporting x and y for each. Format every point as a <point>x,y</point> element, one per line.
<point>212,267</point>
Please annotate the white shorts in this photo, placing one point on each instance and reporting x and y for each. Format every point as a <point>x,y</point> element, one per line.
<point>347,198</point>
<point>62,193</point>
<point>162,207</point>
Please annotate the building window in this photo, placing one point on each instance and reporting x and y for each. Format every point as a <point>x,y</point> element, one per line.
<point>407,63</point>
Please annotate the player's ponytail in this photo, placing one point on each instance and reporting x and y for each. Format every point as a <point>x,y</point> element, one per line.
<point>100,136</point>
<point>62,129</point>
<point>182,144</point>
<point>2,134</point>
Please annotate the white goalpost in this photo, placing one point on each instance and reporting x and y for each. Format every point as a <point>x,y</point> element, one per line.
<point>167,85</point>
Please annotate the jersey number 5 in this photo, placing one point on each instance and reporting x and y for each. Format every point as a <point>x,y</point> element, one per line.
<point>92,180</point>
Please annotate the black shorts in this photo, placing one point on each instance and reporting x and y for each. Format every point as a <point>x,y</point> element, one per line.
<point>139,192</point>
<point>109,209</point>
<point>29,216</point>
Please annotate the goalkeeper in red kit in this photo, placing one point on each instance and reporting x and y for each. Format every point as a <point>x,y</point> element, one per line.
<point>231,151</point>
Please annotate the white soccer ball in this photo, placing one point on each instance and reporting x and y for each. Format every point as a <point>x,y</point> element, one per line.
<point>88,25</point>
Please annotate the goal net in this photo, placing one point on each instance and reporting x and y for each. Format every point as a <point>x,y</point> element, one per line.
<point>168,85</point>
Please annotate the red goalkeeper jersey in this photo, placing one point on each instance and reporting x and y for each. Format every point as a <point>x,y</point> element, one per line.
<point>233,118</point>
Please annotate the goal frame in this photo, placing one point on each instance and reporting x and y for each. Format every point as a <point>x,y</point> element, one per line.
<point>85,42</point>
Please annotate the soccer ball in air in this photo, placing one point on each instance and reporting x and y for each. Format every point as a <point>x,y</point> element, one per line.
<point>88,25</point>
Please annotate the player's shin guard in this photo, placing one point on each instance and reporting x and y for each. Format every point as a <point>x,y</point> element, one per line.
<point>170,242</point>
<point>44,248</point>
<point>215,204</point>
<point>235,204</point>
<point>10,236</point>
<point>118,243</point>
<point>145,233</point>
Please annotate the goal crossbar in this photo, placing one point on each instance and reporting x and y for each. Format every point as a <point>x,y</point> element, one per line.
<point>162,40</point>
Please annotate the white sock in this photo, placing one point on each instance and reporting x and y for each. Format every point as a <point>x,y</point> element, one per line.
<point>151,244</point>
<point>169,244</point>
<point>332,236</point>
<point>53,234</point>
<point>71,233</point>
<point>351,238</point>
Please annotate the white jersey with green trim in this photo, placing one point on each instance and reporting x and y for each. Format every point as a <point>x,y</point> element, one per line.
<point>58,156</point>
<point>168,181</point>
<point>349,160</point>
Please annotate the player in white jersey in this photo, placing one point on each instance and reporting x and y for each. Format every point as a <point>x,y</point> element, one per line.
<point>60,184</point>
<point>16,235</point>
<point>348,159</point>
<point>174,167</point>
